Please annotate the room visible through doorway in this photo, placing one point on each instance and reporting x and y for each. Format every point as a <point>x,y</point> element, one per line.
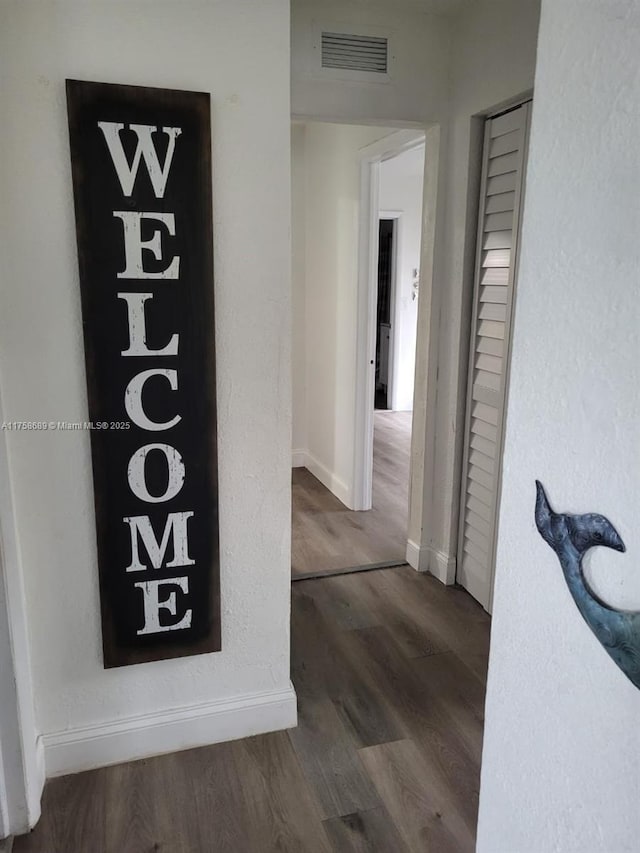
<point>386,249</point>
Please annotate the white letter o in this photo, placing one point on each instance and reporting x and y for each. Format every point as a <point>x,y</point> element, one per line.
<point>136,473</point>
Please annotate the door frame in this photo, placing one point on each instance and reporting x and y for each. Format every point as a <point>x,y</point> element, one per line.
<point>419,553</point>
<point>22,772</point>
<point>396,216</point>
<point>370,159</point>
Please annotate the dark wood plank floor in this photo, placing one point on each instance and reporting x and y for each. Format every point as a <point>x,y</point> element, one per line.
<point>327,536</point>
<point>390,670</point>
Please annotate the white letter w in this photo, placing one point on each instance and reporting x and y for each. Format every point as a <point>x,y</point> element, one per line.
<point>144,149</point>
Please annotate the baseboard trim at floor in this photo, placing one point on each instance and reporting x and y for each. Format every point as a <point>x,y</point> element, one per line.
<point>298,458</point>
<point>187,727</point>
<point>328,479</point>
<point>417,557</point>
<point>442,566</point>
<point>369,567</point>
<point>424,559</point>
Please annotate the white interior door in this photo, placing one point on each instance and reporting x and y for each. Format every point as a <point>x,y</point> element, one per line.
<point>501,197</point>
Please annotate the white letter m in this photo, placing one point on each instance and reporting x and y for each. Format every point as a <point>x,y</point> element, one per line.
<point>176,523</point>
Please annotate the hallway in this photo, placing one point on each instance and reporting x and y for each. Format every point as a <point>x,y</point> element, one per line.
<point>326,536</point>
<point>390,671</point>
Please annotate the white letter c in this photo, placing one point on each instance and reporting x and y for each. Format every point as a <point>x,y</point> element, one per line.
<point>133,399</point>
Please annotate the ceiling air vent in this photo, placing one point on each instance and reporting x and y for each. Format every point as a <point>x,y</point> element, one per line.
<point>354,53</point>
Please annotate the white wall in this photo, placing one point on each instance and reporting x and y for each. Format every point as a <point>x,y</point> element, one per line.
<point>240,53</point>
<point>329,164</point>
<point>401,185</point>
<point>299,300</point>
<point>419,46</point>
<point>492,61</point>
<point>561,766</point>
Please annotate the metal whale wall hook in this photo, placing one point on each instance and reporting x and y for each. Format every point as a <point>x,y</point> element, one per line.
<point>571,536</point>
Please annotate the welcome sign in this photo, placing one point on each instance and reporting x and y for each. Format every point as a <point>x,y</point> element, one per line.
<point>141,164</point>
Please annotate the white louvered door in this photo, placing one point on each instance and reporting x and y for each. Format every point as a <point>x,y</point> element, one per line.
<point>501,197</point>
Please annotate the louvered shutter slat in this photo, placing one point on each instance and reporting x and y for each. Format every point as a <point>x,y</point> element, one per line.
<point>476,505</point>
<point>471,565</point>
<point>479,476</point>
<point>497,258</point>
<point>478,540</point>
<point>491,346</point>
<point>476,552</point>
<point>505,144</point>
<point>479,524</point>
<point>482,461</point>
<point>490,329</point>
<point>497,240</point>
<point>497,221</point>
<point>502,184</point>
<point>506,123</point>
<point>481,394</point>
<point>498,276</point>
<point>493,294</point>
<point>501,202</point>
<point>489,362</point>
<point>484,495</point>
<point>484,445</point>
<point>492,311</point>
<point>485,413</point>
<point>503,164</point>
<point>479,427</point>
<point>487,380</point>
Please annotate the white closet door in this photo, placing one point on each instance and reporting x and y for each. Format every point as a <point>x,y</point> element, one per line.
<point>501,197</point>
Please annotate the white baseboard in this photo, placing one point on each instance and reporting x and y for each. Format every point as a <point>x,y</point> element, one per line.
<point>168,731</point>
<point>298,458</point>
<point>424,559</point>
<point>335,485</point>
<point>417,557</point>
<point>35,796</point>
<point>442,566</point>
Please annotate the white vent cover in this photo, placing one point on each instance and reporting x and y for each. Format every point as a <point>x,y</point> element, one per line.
<point>354,52</point>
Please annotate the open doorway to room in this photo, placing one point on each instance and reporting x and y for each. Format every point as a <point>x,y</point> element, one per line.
<point>351,182</point>
<point>387,248</point>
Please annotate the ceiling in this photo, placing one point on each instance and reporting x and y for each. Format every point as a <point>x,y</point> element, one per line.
<point>441,7</point>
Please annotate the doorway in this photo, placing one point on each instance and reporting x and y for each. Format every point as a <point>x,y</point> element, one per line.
<point>386,272</point>
<point>332,530</point>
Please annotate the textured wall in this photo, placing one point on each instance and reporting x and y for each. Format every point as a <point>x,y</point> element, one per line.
<point>240,53</point>
<point>561,766</point>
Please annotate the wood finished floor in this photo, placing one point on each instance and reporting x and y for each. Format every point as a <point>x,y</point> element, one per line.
<point>390,671</point>
<point>327,536</point>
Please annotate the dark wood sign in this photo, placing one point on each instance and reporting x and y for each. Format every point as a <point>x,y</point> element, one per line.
<point>141,163</point>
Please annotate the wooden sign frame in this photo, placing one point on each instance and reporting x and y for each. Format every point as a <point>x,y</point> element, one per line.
<point>141,167</point>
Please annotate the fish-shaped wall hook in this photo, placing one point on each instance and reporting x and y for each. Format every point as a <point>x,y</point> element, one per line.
<point>571,536</point>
